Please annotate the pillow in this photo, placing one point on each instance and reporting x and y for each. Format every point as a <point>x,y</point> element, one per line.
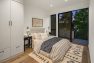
<point>43,36</point>
<point>33,35</point>
<point>37,44</point>
<point>36,36</point>
<point>37,40</point>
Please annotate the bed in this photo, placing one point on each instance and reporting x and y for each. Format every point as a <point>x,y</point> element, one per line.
<point>58,52</point>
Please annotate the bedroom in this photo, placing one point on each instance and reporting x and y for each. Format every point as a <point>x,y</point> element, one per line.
<point>28,22</point>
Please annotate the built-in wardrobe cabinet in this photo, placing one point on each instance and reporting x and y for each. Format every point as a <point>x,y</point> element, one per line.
<point>11,28</point>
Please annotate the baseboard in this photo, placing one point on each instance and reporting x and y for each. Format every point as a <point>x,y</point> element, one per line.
<point>2,61</point>
<point>89,59</point>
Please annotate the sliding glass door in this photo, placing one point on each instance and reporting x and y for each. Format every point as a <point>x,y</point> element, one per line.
<point>80,19</point>
<point>64,25</point>
<point>74,25</point>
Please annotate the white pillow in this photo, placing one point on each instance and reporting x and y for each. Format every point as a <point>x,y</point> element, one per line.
<point>37,45</point>
<point>36,35</point>
<point>44,36</point>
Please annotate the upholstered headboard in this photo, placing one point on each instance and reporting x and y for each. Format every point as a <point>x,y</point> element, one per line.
<point>37,30</point>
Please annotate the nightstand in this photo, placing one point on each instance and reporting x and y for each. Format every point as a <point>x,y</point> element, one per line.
<point>29,39</point>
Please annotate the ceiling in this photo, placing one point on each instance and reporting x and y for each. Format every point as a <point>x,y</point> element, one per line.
<point>45,4</point>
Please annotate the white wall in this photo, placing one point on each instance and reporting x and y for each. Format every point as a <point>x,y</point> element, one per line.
<point>91,30</point>
<point>47,24</point>
<point>35,12</point>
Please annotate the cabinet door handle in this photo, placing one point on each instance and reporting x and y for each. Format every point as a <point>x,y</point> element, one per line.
<point>2,52</point>
<point>17,46</point>
<point>11,23</point>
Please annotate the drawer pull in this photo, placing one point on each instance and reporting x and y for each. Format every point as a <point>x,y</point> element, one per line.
<point>17,46</point>
<point>2,52</point>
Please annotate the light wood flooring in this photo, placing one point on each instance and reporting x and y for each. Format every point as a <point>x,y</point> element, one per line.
<point>24,58</point>
<point>20,57</point>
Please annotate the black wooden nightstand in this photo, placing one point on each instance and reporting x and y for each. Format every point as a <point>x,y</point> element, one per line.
<point>29,39</point>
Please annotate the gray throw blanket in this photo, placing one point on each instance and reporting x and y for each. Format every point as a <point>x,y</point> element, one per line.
<point>48,44</point>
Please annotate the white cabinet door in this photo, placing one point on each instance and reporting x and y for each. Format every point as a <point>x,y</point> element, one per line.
<point>17,18</point>
<point>4,24</point>
<point>1,54</point>
<point>20,1</point>
<point>4,53</point>
<point>19,48</point>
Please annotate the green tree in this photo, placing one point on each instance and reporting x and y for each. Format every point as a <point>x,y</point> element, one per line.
<point>81,24</point>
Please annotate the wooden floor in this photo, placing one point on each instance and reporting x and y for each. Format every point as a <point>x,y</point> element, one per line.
<point>20,57</point>
<point>86,55</point>
<point>24,57</point>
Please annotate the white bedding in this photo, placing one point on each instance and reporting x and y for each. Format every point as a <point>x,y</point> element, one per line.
<point>58,50</point>
<point>38,43</point>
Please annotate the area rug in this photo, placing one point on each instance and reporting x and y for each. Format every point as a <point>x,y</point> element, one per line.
<point>75,54</point>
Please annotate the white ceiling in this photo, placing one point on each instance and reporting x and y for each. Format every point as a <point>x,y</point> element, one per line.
<point>57,4</point>
<point>45,4</point>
